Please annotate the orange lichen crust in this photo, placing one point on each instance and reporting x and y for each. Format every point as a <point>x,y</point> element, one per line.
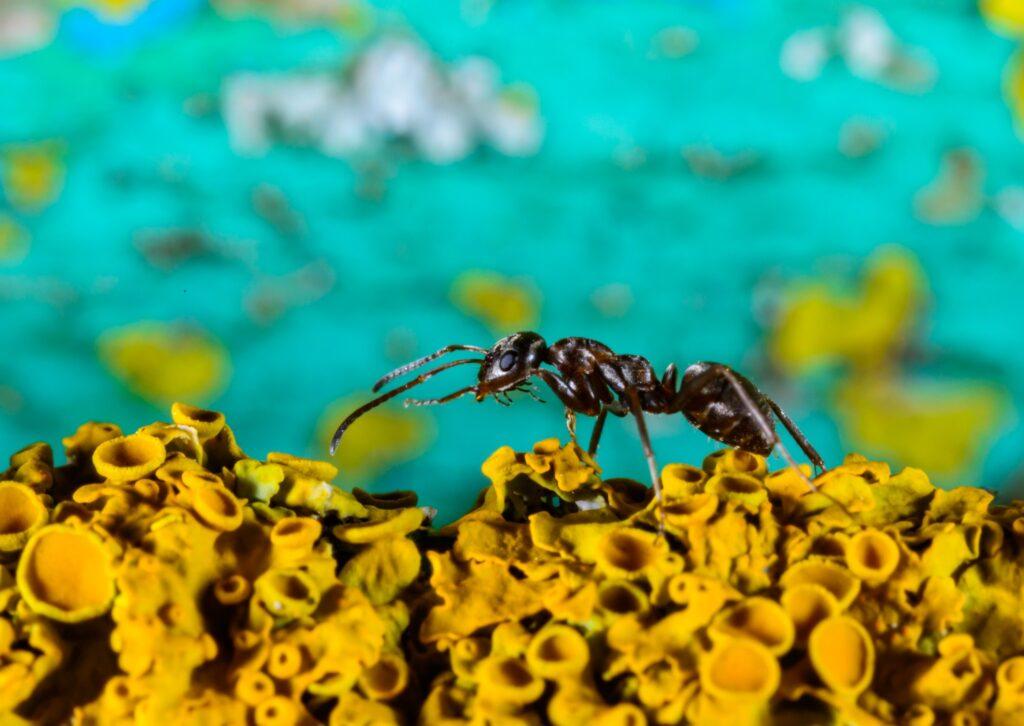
<point>165,576</point>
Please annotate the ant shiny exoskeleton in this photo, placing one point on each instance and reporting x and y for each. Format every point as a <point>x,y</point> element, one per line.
<point>591,379</point>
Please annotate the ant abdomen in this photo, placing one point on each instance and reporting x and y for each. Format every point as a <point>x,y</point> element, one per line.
<point>714,405</point>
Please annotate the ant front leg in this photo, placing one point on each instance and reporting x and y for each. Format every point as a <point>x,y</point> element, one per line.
<point>595,436</point>
<point>570,423</point>
<point>577,399</point>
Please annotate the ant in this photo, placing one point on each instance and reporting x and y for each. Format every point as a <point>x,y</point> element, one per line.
<point>591,379</point>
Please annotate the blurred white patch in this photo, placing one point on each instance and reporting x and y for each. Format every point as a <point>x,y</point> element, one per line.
<point>395,91</point>
<point>804,54</point>
<point>867,43</point>
<point>25,26</point>
<point>1009,204</point>
<point>867,46</point>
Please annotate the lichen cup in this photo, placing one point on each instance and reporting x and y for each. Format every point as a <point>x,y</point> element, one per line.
<point>67,574</point>
<point>127,458</point>
<point>22,512</point>
<point>842,654</point>
<point>741,670</point>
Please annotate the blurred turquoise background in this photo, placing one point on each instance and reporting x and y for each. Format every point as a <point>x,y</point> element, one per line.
<point>295,197</point>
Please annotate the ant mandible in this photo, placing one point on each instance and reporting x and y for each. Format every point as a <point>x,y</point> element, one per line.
<point>591,379</point>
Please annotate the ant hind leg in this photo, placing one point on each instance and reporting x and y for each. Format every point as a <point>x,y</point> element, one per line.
<point>798,436</point>
<point>765,425</point>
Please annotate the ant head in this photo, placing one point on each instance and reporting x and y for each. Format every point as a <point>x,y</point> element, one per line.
<point>510,362</point>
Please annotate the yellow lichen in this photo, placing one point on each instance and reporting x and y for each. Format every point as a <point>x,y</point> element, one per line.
<point>226,589</point>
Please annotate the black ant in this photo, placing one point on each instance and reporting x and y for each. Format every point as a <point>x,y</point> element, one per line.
<point>591,379</point>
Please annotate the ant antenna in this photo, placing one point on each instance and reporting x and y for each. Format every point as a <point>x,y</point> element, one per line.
<point>340,431</point>
<point>412,365</point>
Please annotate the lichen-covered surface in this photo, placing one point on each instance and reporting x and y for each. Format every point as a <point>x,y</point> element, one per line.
<point>164,576</point>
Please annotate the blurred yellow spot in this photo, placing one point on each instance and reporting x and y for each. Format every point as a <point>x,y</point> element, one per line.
<point>936,427</point>
<point>1015,87</point>
<point>14,241</point>
<point>818,326</point>
<point>1006,15</point>
<point>32,174</point>
<point>379,440</point>
<point>355,18</point>
<point>115,11</point>
<point>503,304</point>
<point>164,362</point>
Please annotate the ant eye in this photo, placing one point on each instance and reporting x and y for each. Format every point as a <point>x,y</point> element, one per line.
<point>507,361</point>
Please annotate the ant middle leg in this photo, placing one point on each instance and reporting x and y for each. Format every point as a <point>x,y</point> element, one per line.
<point>652,465</point>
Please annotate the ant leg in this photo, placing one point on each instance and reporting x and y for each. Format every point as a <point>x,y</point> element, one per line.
<point>570,423</point>
<point>645,441</point>
<point>595,435</point>
<point>798,436</point>
<point>763,424</point>
<point>579,400</point>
